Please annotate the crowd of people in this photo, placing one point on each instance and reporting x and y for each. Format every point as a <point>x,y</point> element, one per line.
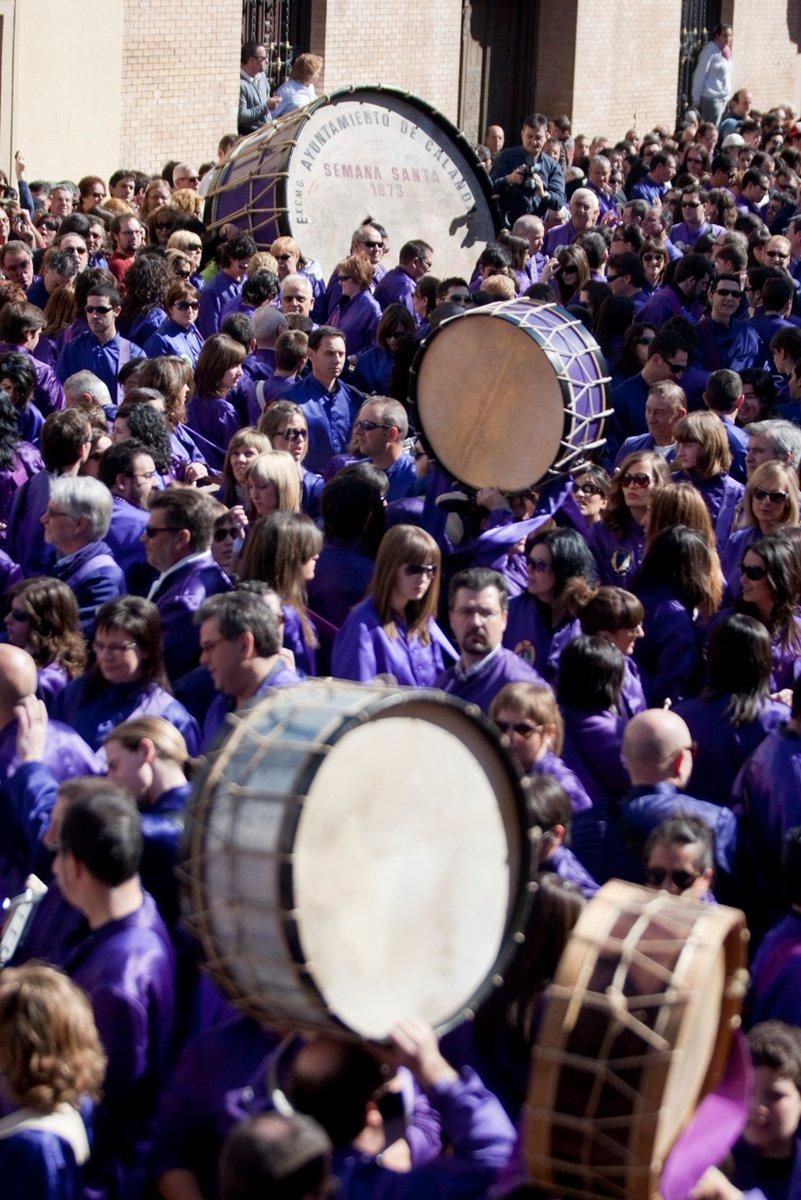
<point>213,485</point>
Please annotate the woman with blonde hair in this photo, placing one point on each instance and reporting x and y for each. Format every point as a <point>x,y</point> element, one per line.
<point>703,458</point>
<point>289,256</point>
<point>394,632</point>
<point>273,483</point>
<point>285,424</point>
<point>772,501</point>
<point>51,1065</point>
<point>298,90</point>
<point>189,243</point>
<point>282,550</point>
<point>243,449</point>
<point>528,717</point>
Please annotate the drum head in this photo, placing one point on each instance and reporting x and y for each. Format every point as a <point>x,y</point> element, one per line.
<point>490,402</point>
<point>356,855</point>
<point>367,150</point>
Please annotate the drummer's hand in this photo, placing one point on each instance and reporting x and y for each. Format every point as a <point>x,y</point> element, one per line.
<point>715,1186</point>
<point>31,717</point>
<point>418,1049</point>
<point>491,497</point>
<point>785,696</point>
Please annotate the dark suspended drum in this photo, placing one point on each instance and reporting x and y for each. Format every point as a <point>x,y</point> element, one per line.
<point>357,854</point>
<point>316,173</point>
<point>510,394</point>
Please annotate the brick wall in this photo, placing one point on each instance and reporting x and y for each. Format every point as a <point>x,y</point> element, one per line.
<point>765,53</point>
<point>180,80</point>
<point>415,45</point>
<point>610,66</point>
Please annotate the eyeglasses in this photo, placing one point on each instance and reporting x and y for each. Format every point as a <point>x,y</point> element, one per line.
<point>638,480</point>
<point>524,729</point>
<point>728,292</point>
<point>612,278</point>
<point>143,475</point>
<point>675,368</point>
<point>51,225</point>
<point>369,426</point>
<point>691,203</point>
<point>587,489</point>
<point>113,647</point>
<point>294,435</point>
<point>228,531</point>
<point>183,275</point>
<point>186,305</point>
<point>653,258</point>
<point>753,573</point>
<point>207,647</point>
<point>283,257</point>
<point>777,254</point>
<point>774,497</point>
<point>19,614</point>
<point>656,876</point>
<point>539,565</point>
<point>415,569</point>
<point>164,224</point>
<point>150,532</point>
<point>373,245</point>
<point>99,310</point>
<point>645,341</point>
<point>344,278</point>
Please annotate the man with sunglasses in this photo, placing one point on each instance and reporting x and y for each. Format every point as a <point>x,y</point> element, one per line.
<point>101,349</point>
<point>724,341</point>
<point>679,859</point>
<point>658,755</point>
<point>369,241</point>
<point>693,225</point>
<point>380,431</point>
<point>668,357</point>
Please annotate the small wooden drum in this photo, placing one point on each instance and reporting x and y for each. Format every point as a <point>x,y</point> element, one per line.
<point>637,1028</point>
<point>510,394</point>
<point>358,854</point>
<point>317,172</point>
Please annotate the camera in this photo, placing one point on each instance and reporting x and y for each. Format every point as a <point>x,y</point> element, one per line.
<point>529,172</point>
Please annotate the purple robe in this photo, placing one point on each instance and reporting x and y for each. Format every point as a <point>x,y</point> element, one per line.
<point>212,299</point>
<point>27,462</point>
<point>721,495</point>
<point>669,654</point>
<point>482,683</point>
<point>731,556</point>
<point>295,640</point>
<point>357,321</point>
<point>618,556</point>
<point>39,1164</point>
<point>563,862</point>
<point>48,394</point>
<point>178,598</point>
<point>373,372</point>
<point>216,419</point>
<point>723,747</point>
<point>86,353</point>
<point>592,748</point>
<point>127,968</point>
<point>363,649</point>
<point>93,708</point>
<point>25,533</point>
<point>776,974</point>
<point>552,764</point>
<point>329,415</point>
<point>344,573</point>
<point>94,577</point>
<point>52,679</point>
<point>733,347</point>
<point>530,634</point>
<point>144,326</point>
<point>632,695</point>
<point>280,675</point>
<point>124,536</point>
<point>397,287</point>
<point>172,338</point>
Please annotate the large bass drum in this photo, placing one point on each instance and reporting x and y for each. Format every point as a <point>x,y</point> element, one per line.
<point>357,854</point>
<point>637,1027</point>
<point>510,394</point>
<point>316,173</point>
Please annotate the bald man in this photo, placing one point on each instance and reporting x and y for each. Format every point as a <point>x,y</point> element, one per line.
<point>658,755</point>
<point>65,754</point>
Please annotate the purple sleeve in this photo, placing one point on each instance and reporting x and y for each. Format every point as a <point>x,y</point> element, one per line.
<point>353,656</point>
<point>474,1121</point>
<point>32,791</point>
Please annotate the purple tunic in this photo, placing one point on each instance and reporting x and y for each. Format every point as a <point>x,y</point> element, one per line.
<point>357,320</point>
<point>48,394</point>
<point>212,298</point>
<point>374,371</point>
<point>52,679</point>
<point>481,684</point>
<point>93,708</point>
<point>669,653</point>
<point>363,649</point>
<point>124,536</point>
<point>344,573</point>
<point>632,696</point>
<point>280,675</point>
<point>563,862</point>
<point>721,495</point>
<point>295,640</point>
<point>86,353</point>
<point>38,1164</point>
<point>329,415</point>
<point>776,974</point>
<point>723,747</point>
<point>94,578</point>
<point>618,555</point>
<point>397,287</point>
<point>592,748</point>
<point>127,968</point>
<point>731,556</point>
<point>216,419</point>
<point>178,598</point>
<point>530,634</point>
<point>172,338</point>
<point>25,533</point>
<point>552,764</point>
<point>27,462</point>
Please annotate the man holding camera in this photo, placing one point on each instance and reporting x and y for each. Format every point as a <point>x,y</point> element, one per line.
<point>527,181</point>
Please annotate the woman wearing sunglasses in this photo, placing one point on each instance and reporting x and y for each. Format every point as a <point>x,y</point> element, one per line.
<point>393,632</point>
<point>357,319</point>
<point>528,717</point>
<point>178,334</point>
<point>771,582</point>
<point>618,539</point>
<point>542,619</point>
<point>285,424</point>
<point>772,501</point>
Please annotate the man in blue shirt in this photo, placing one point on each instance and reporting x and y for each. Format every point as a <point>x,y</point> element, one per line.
<point>101,350</point>
<point>329,406</point>
<point>528,181</point>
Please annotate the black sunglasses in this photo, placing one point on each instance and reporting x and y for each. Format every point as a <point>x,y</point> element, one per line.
<point>656,876</point>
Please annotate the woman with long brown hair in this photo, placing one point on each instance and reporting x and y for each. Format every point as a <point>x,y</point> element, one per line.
<point>393,632</point>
